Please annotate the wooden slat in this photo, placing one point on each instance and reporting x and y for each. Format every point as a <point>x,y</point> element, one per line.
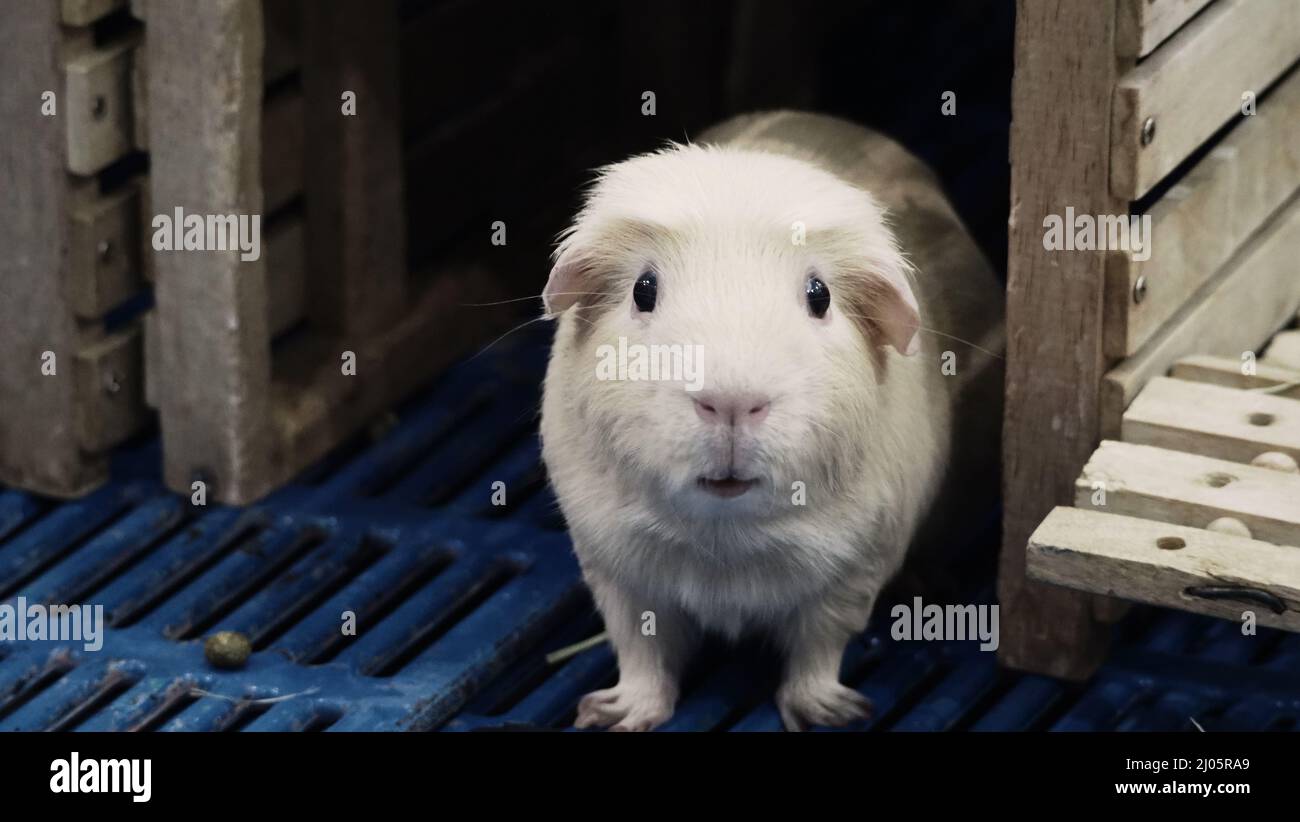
<point>213,345</point>
<point>1198,224</point>
<point>1192,490</point>
<point>140,97</point>
<point>38,444</point>
<point>283,27</point>
<point>110,389</point>
<point>85,12</point>
<point>1144,24</point>
<point>97,107</point>
<point>1065,72</point>
<point>286,279</point>
<point>1227,372</point>
<point>1193,85</point>
<point>282,150</point>
<point>1284,350</point>
<point>1226,423</point>
<point>356,227</point>
<point>1121,556</point>
<point>1254,296</point>
<point>104,257</point>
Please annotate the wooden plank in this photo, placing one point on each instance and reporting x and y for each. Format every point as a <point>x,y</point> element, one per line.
<point>356,228</point>
<point>140,96</point>
<point>1144,24</point>
<point>1190,489</point>
<point>1284,350</point>
<point>213,344</point>
<point>1257,290</point>
<point>286,279</point>
<point>1200,222</point>
<point>152,357</point>
<point>1123,556</point>
<point>1065,72</point>
<point>110,389</point>
<point>316,407</point>
<point>38,443</point>
<point>1228,372</point>
<point>1193,85</point>
<point>97,106</point>
<point>85,12</point>
<point>282,150</point>
<point>104,256</point>
<point>1226,423</point>
<point>282,53</point>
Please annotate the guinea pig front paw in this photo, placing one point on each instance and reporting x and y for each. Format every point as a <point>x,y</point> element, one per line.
<point>820,702</point>
<point>628,706</point>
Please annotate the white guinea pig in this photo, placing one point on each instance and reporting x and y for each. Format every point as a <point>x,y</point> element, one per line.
<point>779,486</point>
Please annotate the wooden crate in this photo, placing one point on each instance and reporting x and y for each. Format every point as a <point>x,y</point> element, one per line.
<point>1119,107</point>
<point>1218,440</point>
<point>71,380</point>
<point>260,367</point>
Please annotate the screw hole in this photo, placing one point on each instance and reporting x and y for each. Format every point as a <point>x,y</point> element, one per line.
<point>1262,419</point>
<point>99,108</point>
<point>1219,480</point>
<point>1170,543</point>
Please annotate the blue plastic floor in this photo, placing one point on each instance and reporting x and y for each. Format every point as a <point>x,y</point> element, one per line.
<point>458,602</point>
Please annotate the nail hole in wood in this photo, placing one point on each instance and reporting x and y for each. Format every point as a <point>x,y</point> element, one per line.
<point>1170,543</point>
<point>1262,419</point>
<point>1218,480</point>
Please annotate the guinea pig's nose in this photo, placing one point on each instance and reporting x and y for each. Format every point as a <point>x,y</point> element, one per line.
<point>732,409</point>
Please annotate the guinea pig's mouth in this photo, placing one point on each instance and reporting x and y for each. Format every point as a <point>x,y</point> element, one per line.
<point>727,487</point>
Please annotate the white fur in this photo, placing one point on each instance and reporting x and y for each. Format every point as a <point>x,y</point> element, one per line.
<point>868,443</point>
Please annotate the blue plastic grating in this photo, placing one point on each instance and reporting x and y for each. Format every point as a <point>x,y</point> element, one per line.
<point>458,603</point>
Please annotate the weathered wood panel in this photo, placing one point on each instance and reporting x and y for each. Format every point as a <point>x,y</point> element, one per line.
<point>1284,350</point>
<point>1190,489</point>
<point>1254,296</point>
<point>1144,24</point>
<point>1065,72</point>
<point>1229,372</point>
<point>110,389</point>
<point>356,228</point>
<point>283,39</point>
<point>286,278</point>
<point>1157,563</point>
<point>104,253</point>
<point>39,448</point>
<point>283,128</point>
<point>213,344</point>
<point>1198,224</point>
<point>85,12</point>
<point>1193,85</point>
<point>1225,423</point>
<point>97,107</point>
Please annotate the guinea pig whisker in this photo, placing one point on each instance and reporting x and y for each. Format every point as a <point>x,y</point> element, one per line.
<point>539,296</point>
<point>522,325</point>
<point>935,331</point>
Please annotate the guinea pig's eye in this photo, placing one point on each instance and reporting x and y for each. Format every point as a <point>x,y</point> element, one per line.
<point>819,297</point>
<point>646,291</point>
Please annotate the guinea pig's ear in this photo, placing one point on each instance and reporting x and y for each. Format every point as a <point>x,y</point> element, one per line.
<point>900,317</point>
<point>884,301</point>
<point>566,283</point>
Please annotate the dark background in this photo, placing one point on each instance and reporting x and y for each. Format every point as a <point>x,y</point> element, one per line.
<point>508,106</point>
